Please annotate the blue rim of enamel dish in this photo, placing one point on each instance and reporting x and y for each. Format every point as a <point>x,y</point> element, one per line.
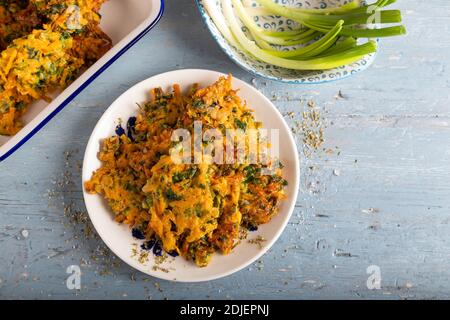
<point>85,84</point>
<point>206,20</point>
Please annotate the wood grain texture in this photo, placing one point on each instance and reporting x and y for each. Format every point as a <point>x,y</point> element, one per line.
<point>382,197</point>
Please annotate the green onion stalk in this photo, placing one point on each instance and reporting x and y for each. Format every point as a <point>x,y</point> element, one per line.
<point>314,63</point>
<point>324,38</point>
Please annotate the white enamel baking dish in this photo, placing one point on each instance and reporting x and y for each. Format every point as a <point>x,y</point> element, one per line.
<point>125,21</point>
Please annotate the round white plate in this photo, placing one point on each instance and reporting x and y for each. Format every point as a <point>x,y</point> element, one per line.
<point>118,236</point>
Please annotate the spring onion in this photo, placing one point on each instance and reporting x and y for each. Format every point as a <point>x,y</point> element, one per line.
<point>319,38</point>
<point>327,62</point>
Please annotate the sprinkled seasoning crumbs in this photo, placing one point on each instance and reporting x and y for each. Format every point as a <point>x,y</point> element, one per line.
<point>161,259</point>
<point>259,240</point>
<point>156,268</point>
<point>142,254</point>
<point>308,127</point>
<point>143,257</point>
<point>134,250</point>
<point>79,234</point>
<point>312,128</point>
<point>243,233</point>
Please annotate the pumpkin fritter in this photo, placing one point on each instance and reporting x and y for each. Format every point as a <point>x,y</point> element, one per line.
<point>46,43</point>
<point>194,209</point>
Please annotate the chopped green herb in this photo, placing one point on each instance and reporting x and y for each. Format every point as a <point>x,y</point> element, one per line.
<point>188,174</point>
<point>198,103</point>
<point>171,196</point>
<point>241,125</point>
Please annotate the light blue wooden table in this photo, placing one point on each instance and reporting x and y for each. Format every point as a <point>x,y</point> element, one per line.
<point>383,200</point>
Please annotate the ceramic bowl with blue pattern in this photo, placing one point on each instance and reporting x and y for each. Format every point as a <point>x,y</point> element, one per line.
<point>249,63</point>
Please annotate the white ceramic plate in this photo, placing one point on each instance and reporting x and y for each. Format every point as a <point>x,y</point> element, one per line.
<point>125,22</point>
<point>208,8</point>
<point>118,237</point>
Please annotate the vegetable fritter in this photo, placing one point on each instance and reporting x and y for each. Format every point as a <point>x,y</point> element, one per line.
<point>48,43</point>
<point>71,15</point>
<point>90,45</point>
<point>194,209</point>
<point>30,68</point>
<point>17,19</point>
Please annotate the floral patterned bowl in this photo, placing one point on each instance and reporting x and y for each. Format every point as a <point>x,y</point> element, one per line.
<point>259,68</point>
